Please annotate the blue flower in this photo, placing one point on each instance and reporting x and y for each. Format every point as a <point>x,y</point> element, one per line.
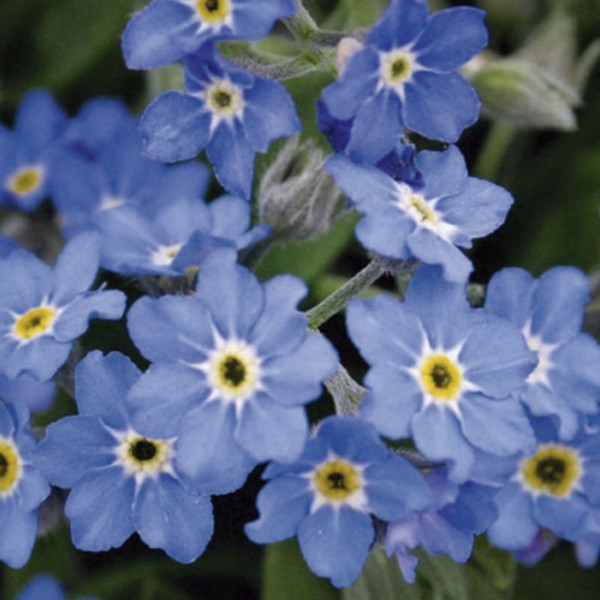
<point>121,481</point>
<point>166,30</point>
<point>44,309</point>
<point>177,237</point>
<point>43,587</point>
<point>22,488</point>
<point>426,220</point>
<point>406,76</point>
<point>28,154</point>
<point>442,373</point>
<point>100,174</point>
<point>556,486</point>
<point>233,366</point>
<point>326,498</point>
<point>448,527</point>
<point>549,312</point>
<point>227,110</point>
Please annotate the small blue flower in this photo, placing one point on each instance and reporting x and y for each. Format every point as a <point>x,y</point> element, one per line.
<point>22,488</point>
<point>233,366</point>
<point>442,373</point>
<point>426,220</point>
<point>448,527</point>
<point>121,481</point>
<point>406,76</point>
<point>28,153</point>
<point>179,236</point>
<point>556,486</point>
<point>98,174</point>
<point>44,309</point>
<point>166,30</point>
<point>549,312</point>
<point>43,587</point>
<point>228,111</point>
<point>326,498</point>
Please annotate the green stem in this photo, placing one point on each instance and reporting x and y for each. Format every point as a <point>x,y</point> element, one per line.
<point>338,300</point>
<point>347,394</point>
<point>494,150</point>
<point>301,24</point>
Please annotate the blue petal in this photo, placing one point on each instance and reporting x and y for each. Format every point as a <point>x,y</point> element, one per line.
<point>437,435</point>
<point>232,157</point>
<point>385,232</point>
<point>36,395</point>
<point>560,297</point>
<point>496,426</point>
<point>76,267</point>
<point>171,328</point>
<point>230,216</point>
<point>168,517</point>
<point>281,327</point>
<point>434,250</point>
<point>269,114</point>
<point>395,489</point>
<point>73,446</point>
<point>19,530</point>
<point>162,397</point>
<point>99,508</point>
<point>208,453</point>
<point>515,527</point>
<point>440,105</point>
<point>566,518</point>
<point>74,320</point>
<point>232,293</point>
<point>254,18</point>
<point>33,488</point>
<point>392,401</point>
<point>298,377</point>
<point>336,543</point>
<point>101,385</point>
<point>495,356</point>
<point>510,294</point>
<point>444,173</point>
<point>377,127</point>
<point>402,22</point>
<point>441,306</point>
<point>40,358</point>
<point>41,587</point>
<point>282,505</point>
<point>451,38</point>
<point>480,208</point>
<point>358,81</point>
<point>269,431</point>
<point>174,127</point>
<point>151,37</point>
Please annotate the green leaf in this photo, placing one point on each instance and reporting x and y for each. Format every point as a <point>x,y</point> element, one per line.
<point>286,576</point>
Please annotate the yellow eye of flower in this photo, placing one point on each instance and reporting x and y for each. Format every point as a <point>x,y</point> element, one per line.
<point>212,10</point>
<point>144,456</point>
<point>397,67</point>
<point>224,98</point>
<point>419,208</point>
<point>234,370</point>
<point>10,467</point>
<point>554,469</point>
<point>337,480</point>
<point>34,322</point>
<point>441,378</point>
<point>26,180</point>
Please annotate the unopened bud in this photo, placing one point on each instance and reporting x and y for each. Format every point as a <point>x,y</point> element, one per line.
<point>296,196</point>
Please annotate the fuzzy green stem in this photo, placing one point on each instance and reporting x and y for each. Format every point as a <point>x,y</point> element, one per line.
<point>338,300</point>
<point>347,394</point>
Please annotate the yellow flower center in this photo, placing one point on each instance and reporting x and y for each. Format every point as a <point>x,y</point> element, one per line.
<point>145,456</point>
<point>34,322</point>
<point>234,370</point>
<point>441,378</point>
<point>26,180</point>
<point>419,208</point>
<point>554,469</point>
<point>212,10</point>
<point>224,98</point>
<point>10,466</point>
<point>337,480</point>
<point>397,67</point>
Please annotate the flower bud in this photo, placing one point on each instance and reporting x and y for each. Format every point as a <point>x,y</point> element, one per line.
<point>296,196</point>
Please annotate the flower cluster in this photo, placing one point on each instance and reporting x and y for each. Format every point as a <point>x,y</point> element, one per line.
<point>498,404</point>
